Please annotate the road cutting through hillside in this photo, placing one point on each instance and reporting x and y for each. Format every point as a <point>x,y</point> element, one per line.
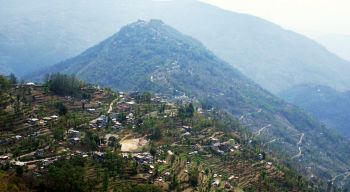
<point>242,117</point>
<point>262,129</point>
<point>346,174</point>
<point>297,155</point>
<point>299,148</point>
<point>110,109</point>
<point>273,140</point>
<point>301,138</point>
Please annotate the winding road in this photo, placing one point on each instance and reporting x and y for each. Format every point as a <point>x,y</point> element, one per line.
<point>273,140</point>
<point>299,148</point>
<point>262,129</point>
<point>301,139</point>
<point>242,117</point>
<point>346,174</point>
<point>111,106</point>
<point>297,155</point>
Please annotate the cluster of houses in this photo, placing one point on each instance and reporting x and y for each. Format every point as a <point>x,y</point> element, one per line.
<point>4,159</point>
<point>186,130</point>
<point>41,162</point>
<point>32,122</point>
<point>217,182</point>
<point>102,121</point>
<point>124,106</point>
<point>73,136</point>
<point>221,148</point>
<point>143,158</point>
<point>43,121</point>
<point>98,155</point>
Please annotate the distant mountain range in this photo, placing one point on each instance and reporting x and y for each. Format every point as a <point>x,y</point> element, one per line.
<point>327,104</point>
<point>40,34</point>
<point>337,43</point>
<point>152,56</point>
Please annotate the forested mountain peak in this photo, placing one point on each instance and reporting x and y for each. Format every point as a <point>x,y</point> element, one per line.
<point>147,53</point>
<point>151,56</point>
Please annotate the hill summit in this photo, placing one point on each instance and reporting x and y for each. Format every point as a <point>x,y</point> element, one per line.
<point>142,56</point>
<point>152,56</point>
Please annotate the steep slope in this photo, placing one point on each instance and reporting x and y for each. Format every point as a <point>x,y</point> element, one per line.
<point>268,54</point>
<point>328,105</point>
<point>151,56</point>
<point>147,56</point>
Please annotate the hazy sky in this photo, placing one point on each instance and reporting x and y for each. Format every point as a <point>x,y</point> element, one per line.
<point>311,17</point>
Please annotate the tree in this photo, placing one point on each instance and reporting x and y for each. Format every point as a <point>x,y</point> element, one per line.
<point>58,134</point>
<point>114,142</point>
<point>145,97</point>
<point>4,84</point>
<point>121,117</point>
<point>174,183</point>
<point>134,166</point>
<point>156,134</point>
<point>62,84</point>
<point>190,110</point>
<point>62,109</point>
<point>186,111</point>
<point>162,109</point>
<point>91,140</point>
<point>153,151</point>
<point>193,177</point>
<point>19,171</point>
<point>13,79</point>
<point>105,181</point>
<point>65,176</point>
<point>114,163</point>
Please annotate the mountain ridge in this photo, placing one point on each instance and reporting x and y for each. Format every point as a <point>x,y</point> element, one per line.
<point>141,58</point>
<point>273,57</point>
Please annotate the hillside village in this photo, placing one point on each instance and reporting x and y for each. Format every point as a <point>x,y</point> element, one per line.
<point>100,140</point>
<point>139,96</point>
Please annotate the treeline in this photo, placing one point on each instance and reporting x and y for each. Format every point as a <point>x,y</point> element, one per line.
<point>62,84</point>
<point>186,111</point>
<point>7,81</point>
<point>67,85</point>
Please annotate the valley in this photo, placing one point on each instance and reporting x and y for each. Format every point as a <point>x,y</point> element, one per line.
<point>328,105</point>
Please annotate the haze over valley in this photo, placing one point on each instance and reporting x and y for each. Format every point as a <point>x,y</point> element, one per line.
<point>179,95</point>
